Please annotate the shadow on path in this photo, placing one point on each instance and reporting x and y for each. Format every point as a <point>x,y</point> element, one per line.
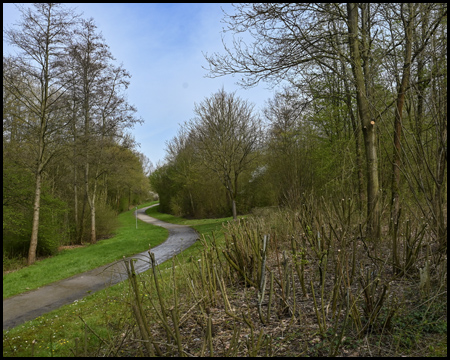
<point>27,306</point>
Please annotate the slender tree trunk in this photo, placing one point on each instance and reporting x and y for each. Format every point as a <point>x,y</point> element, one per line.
<point>86,184</point>
<point>129,197</point>
<point>439,199</point>
<point>396,163</point>
<point>75,208</point>
<point>90,197</point>
<point>91,201</point>
<point>422,84</point>
<point>35,228</point>
<point>75,181</point>
<point>37,193</point>
<point>357,133</point>
<point>39,39</point>
<point>368,127</point>
<point>192,202</point>
<point>118,199</point>
<point>93,232</point>
<point>232,194</point>
<point>439,94</point>
<point>233,205</point>
<point>359,160</point>
<point>40,161</point>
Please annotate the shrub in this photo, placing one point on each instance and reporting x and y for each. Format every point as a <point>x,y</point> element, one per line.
<point>106,221</point>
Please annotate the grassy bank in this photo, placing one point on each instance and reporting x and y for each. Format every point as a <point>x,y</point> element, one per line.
<point>280,284</point>
<point>127,241</point>
<point>75,329</point>
<point>205,227</point>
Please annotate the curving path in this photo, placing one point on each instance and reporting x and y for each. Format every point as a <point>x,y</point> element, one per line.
<point>27,306</point>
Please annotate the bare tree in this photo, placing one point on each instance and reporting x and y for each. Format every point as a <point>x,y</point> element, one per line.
<point>359,55</point>
<point>104,109</point>
<point>287,154</point>
<point>295,39</point>
<point>227,134</point>
<point>181,154</point>
<point>41,37</point>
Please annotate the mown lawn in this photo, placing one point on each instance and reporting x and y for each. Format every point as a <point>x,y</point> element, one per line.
<point>126,242</point>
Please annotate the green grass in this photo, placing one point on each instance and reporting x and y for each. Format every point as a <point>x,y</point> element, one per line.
<point>127,241</point>
<point>62,332</point>
<point>204,227</point>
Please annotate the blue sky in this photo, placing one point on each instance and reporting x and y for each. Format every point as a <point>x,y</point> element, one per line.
<point>161,46</point>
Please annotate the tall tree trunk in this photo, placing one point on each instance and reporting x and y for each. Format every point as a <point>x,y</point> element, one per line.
<point>422,84</point>
<point>232,194</point>
<point>75,180</point>
<point>354,127</point>
<point>40,161</point>
<point>395,184</point>
<point>368,126</point>
<point>39,38</point>
<point>91,201</point>
<point>75,208</point>
<point>357,133</point>
<point>35,228</point>
<point>129,197</point>
<point>87,133</point>
<point>439,94</point>
<point>93,231</point>
<point>192,202</point>
<point>359,160</point>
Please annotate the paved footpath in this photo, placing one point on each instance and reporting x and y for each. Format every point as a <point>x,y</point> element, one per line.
<point>27,306</point>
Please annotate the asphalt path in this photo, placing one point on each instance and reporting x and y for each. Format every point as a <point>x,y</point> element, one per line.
<point>29,305</point>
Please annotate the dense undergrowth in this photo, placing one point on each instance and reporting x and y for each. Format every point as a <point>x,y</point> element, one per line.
<point>282,283</point>
<point>291,283</point>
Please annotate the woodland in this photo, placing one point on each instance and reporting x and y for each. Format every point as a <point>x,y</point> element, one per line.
<point>361,116</point>
<point>69,163</point>
<point>344,175</point>
<point>337,188</point>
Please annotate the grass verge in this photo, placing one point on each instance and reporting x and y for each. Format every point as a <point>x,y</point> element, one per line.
<point>204,227</point>
<point>127,241</point>
<point>75,329</point>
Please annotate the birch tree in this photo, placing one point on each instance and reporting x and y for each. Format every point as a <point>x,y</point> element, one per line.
<point>41,39</point>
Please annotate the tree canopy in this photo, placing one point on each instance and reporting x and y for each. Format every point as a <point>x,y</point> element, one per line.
<point>65,140</point>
